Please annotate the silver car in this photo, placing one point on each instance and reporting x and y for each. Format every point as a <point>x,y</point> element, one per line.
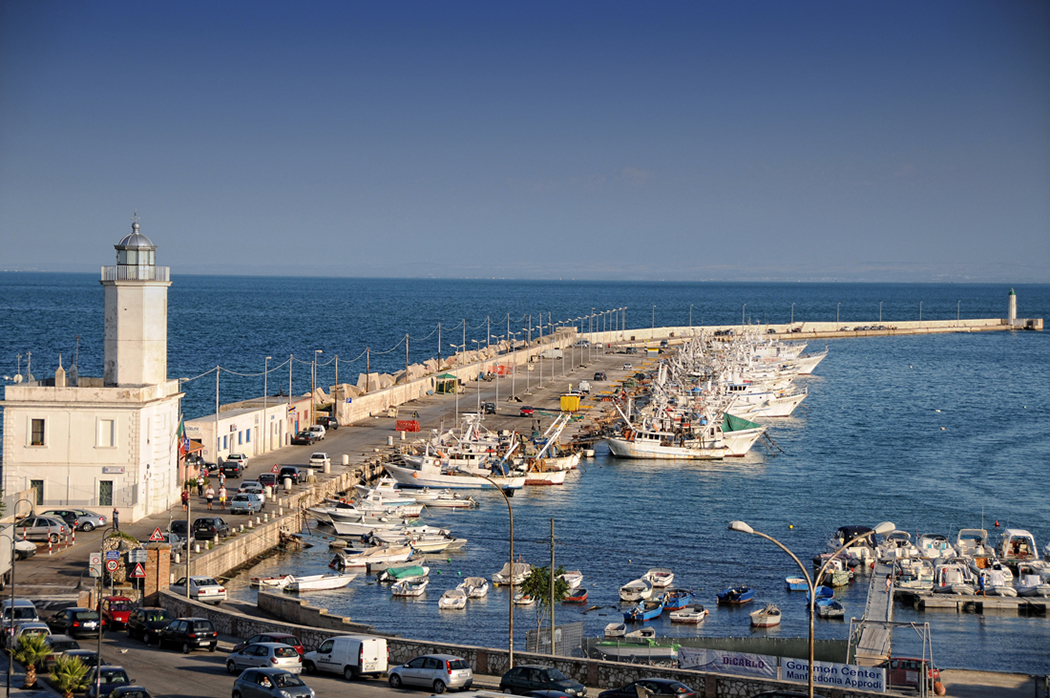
<point>41,528</point>
<point>80,519</point>
<point>276,655</point>
<point>435,671</point>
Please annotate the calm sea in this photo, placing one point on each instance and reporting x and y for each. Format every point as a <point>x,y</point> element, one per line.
<point>933,433</point>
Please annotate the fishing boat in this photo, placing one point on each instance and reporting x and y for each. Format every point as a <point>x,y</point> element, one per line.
<point>362,526</point>
<point>475,587</point>
<point>515,575</point>
<point>797,584</point>
<point>391,554</point>
<point>645,648</point>
<point>429,473</point>
<point>578,595</point>
<point>659,577</point>
<point>573,578</point>
<point>736,595</point>
<point>646,610</point>
<point>521,599</point>
<point>410,587</point>
<point>453,600</point>
<point>830,608</point>
<point>822,592</point>
<point>396,574</point>
<point>694,613</point>
<point>767,617</point>
<point>636,590</point>
<point>319,582</point>
<point>446,499</point>
<point>614,630</point>
<point>674,599</point>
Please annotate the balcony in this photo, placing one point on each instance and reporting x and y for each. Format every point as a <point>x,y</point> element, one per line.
<point>121,272</point>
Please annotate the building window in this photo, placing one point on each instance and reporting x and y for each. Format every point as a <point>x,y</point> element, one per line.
<point>105,493</point>
<point>248,436</point>
<point>240,438</point>
<point>224,446</point>
<point>37,485</point>
<point>36,432</point>
<point>107,437</point>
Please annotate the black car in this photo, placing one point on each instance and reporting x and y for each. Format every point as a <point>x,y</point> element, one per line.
<point>189,634</point>
<point>488,408</point>
<point>267,479</point>
<point>600,376</point>
<point>146,623</point>
<point>210,528</point>
<point>132,691</point>
<point>304,438</point>
<point>59,644</point>
<point>178,527</point>
<point>328,422</point>
<point>656,687</point>
<point>290,471</point>
<point>534,677</point>
<point>231,468</point>
<point>109,678</point>
<point>76,622</point>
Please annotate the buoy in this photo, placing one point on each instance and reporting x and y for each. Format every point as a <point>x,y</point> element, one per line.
<point>942,428</point>
<point>791,525</point>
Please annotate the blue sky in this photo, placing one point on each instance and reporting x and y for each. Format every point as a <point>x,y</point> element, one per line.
<point>880,141</point>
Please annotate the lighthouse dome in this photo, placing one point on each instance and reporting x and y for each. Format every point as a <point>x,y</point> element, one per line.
<point>135,241</point>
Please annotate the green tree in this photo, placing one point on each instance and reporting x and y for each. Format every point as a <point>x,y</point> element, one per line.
<point>538,586</point>
<point>30,651</point>
<point>69,675</point>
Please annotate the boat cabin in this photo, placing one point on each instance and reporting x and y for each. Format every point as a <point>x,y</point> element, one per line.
<point>1016,545</point>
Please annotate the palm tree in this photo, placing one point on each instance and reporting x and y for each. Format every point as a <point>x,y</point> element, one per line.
<point>69,675</point>
<point>30,651</point>
<point>538,586</point>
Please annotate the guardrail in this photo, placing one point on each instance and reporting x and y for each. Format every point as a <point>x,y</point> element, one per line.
<point>122,272</point>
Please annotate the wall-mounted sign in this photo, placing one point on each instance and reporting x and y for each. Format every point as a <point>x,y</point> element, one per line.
<point>113,470</point>
<point>233,427</point>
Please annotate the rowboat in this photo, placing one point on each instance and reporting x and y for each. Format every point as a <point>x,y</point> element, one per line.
<point>736,595</point>
<point>766,617</point>
<point>576,596</point>
<point>830,608</point>
<point>453,600</point>
<point>319,582</point>
<point>272,582</point>
<point>674,599</point>
<point>694,613</point>
<point>797,584</point>
<point>646,610</point>
<point>659,577</point>
<point>614,630</point>
<point>636,590</point>
<point>523,599</point>
<point>396,574</point>
<point>410,587</point>
<point>823,592</point>
<point>475,587</point>
<point>574,578</point>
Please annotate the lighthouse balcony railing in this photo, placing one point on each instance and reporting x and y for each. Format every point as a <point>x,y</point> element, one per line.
<point>122,272</point>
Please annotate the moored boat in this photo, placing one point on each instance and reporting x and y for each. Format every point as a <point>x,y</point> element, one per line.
<point>830,608</point>
<point>475,587</point>
<point>319,582</point>
<point>578,595</point>
<point>573,578</point>
<point>736,595</point>
<point>796,584</point>
<point>453,600</point>
<point>659,577</point>
<point>674,599</point>
<point>515,574</point>
<point>521,599</point>
<point>646,610</point>
<point>636,590</point>
<point>767,617</point>
<point>694,613</point>
<point>410,587</point>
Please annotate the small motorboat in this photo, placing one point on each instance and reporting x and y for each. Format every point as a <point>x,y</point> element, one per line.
<point>694,613</point>
<point>574,579</point>
<point>641,634</point>
<point>410,587</point>
<point>767,617</point>
<point>523,599</point>
<point>646,610</point>
<point>674,599</point>
<point>475,587</point>
<point>797,584</point>
<point>736,595</point>
<point>448,499</point>
<point>576,596</point>
<point>396,574</point>
<point>830,608</point>
<point>823,592</point>
<point>659,577</point>
<point>272,582</point>
<point>453,600</point>
<point>372,557</point>
<point>507,574</point>
<point>636,590</point>
<point>319,582</point>
<point>615,630</point>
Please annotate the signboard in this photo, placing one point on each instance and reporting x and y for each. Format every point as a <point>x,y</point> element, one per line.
<point>138,555</point>
<point>740,663</point>
<point>113,470</point>
<point>95,564</point>
<point>112,565</point>
<point>233,428</point>
<point>275,469</point>
<point>156,536</point>
<point>138,572</point>
<point>846,676</point>
<point>349,400</point>
<point>112,555</point>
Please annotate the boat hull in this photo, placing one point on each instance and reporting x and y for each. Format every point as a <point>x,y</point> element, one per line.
<point>622,448</point>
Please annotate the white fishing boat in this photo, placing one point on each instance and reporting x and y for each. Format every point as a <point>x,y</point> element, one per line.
<point>436,544</point>
<point>363,527</point>
<point>319,582</point>
<point>446,499</point>
<point>453,600</point>
<point>693,613</point>
<point>660,445</point>
<point>767,617</point>
<point>573,578</point>
<point>636,590</point>
<point>521,599</point>
<point>410,587</point>
<point>390,554</point>
<point>430,473</point>
<point>537,472</point>
<point>506,575</point>
<point>475,587</point>
<point>659,577</point>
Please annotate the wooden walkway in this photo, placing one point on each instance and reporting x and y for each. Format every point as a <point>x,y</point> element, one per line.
<point>876,635</point>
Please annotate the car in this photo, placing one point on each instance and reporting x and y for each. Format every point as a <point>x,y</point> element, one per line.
<point>488,408</point>
<point>627,366</point>
<point>304,438</point>
<point>210,528</point>
<point>265,654</point>
<point>632,350</point>
<point>43,528</point>
<point>146,623</point>
<point>29,627</point>
<point>253,487</point>
<point>240,459</point>
<point>246,503</point>
<point>271,683</point>
<point>88,658</point>
<point>328,422</point>
<point>59,644</point>
<point>317,430</point>
<point>787,694</point>
<point>178,527</point>
<point>534,677</point>
<point>434,671</point>
<point>353,656</point>
<point>80,519</point>
<point>231,468</point>
<point>905,672</point>
<point>284,638</point>
<point>526,411</point>
<point>650,686</point>
<point>202,588</point>
<point>320,460</point>
<point>664,344</point>
<point>600,376</point>
<point>77,621</point>
<point>131,691</point>
<point>292,472</point>
<point>115,611</point>
<point>15,611</point>
<point>109,677</point>
<point>189,634</point>
<point>582,343</point>
<point>268,479</point>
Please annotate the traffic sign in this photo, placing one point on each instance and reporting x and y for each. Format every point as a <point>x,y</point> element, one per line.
<point>112,555</point>
<point>112,565</point>
<point>275,469</point>
<point>95,564</point>
<point>156,536</point>
<point>138,572</point>
<point>137,555</point>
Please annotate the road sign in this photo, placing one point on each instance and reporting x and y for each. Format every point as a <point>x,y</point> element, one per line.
<point>137,555</point>
<point>275,469</point>
<point>112,565</point>
<point>95,564</point>
<point>112,555</point>
<point>138,572</point>
<point>156,536</point>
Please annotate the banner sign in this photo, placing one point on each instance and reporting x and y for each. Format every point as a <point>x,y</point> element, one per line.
<point>846,676</point>
<point>740,663</point>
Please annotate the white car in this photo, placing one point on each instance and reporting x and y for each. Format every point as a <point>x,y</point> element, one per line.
<point>203,589</point>
<point>320,460</point>
<point>253,487</point>
<point>318,431</point>
<point>238,458</point>
<point>627,366</point>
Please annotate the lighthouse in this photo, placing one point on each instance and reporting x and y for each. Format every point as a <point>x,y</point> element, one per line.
<point>1011,308</point>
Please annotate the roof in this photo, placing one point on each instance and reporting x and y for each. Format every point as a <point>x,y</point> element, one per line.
<point>136,240</point>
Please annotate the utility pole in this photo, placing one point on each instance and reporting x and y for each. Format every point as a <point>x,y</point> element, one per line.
<point>406,357</point>
<point>552,586</point>
<point>439,347</point>
<point>368,367</point>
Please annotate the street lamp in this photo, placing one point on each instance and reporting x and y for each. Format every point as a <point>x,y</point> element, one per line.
<point>880,311</point>
<point>463,348</point>
<point>920,311</point>
<point>837,309</point>
<point>313,386</point>
<point>478,342</point>
<point>958,307</point>
<point>792,313</point>
<point>882,529</point>
<point>266,424</point>
<point>743,315</point>
<point>14,556</point>
<point>654,322</point>
<point>690,314</point>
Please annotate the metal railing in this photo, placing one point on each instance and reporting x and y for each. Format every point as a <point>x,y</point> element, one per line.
<point>121,272</point>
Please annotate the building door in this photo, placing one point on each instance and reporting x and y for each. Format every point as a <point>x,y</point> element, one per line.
<point>105,493</point>
<point>38,496</point>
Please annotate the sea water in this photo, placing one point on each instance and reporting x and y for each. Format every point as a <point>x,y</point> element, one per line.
<point>933,433</point>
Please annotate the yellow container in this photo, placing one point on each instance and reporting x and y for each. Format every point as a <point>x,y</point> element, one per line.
<point>570,402</point>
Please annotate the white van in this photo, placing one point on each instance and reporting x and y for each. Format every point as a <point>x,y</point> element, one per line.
<point>352,656</point>
<point>13,612</point>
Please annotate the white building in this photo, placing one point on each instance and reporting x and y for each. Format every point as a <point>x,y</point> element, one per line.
<point>110,442</point>
<point>252,427</point>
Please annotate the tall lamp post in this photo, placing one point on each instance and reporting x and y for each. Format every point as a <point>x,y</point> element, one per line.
<point>920,311</point>
<point>743,314</point>
<point>880,311</point>
<point>792,313</point>
<point>313,388</point>
<point>690,314</point>
<point>837,309</point>
<point>463,349</point>
<point>266,423</point>
<point>958,310</point>
<point>9,632</point>
<point>882,529</point>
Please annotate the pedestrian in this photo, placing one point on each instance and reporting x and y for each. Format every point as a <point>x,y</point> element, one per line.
<point>200,485</point>
<point>209,494</point>
<point>116,519</point>
<point>889,583</point>
<point>222,479</point>
<point>185,499</point>
<point>222,496</point>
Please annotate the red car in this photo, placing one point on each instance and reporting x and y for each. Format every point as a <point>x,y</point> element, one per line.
<point>526,411</point>
<point>283,638</point>
<point>116,609</point>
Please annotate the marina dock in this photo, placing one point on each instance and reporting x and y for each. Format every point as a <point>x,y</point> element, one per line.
<point>927,601</point>
<point>876,635</point>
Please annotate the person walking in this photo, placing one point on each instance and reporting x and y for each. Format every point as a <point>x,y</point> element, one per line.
<point>222,479</point>
<point>200,485</point>
<point>116,519</point>
<point>222,496</point>
<point>185,498</point>
<point>209,494</point>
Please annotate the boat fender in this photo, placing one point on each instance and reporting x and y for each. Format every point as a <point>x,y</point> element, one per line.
<point>938,688</point>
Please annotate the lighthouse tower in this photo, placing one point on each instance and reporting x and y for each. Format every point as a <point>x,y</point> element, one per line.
<point>136,315</point>
<point>1011,308</point>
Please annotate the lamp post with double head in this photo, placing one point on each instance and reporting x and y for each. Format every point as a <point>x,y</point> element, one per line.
<point>9,631</point>
<point>266,386</point>
<point>882,529</point>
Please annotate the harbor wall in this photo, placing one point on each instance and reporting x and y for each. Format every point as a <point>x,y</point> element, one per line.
<point>484,661</point>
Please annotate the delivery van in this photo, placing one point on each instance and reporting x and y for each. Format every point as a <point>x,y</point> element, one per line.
<point>353,656</point>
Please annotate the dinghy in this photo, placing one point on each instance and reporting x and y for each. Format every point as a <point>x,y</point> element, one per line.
<point>475,587</point>
<point>574,578</point>
<point>766,617</point>
<point>636,590</point>
<point>523,599</point>
<point>694,613</point>
<point>659,577</point>
<point>319,582</point>
<point>576,596</point>
<point>736,595</point>
<point>674,599</point>
<point>830,608</point>
<point>410,587</point>
<point>646,610</point>
<point>453,600</point>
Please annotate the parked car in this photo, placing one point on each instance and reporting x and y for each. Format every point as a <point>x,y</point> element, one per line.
<point>320,460</point>
<point>146,623</point>
<point>284,638</point>
<point>210,528</point>
<point>59,645</point>
<point>304,438</point>
<point>202,588</point>
<point>627,366</point>
<point>80,519</point>
<point>664,344</point>
<point>109,677</point>
<point>317,430</point>
<point>189,634</point>
<point>88,657</point>
<point>600,376</point>
<point>352,656</point>
<point>115,611</point>
<point>658,687</point>
<point>245,503</point>
<point>328,422</point>
<point>905,672</point>
<point>15,611</point>
<point>41,528</point>
<point>630,350</point>
<point>253,487</point>
<point>434,671</point>
<point>534,677</point>
<point>268,479</point>
<point>231,468</point>
<point>132,691</point>
<point>29,627</point>
<point>270,683</point>
<point>240,459</point>
<point>178,527</point>
<point>290,471</point>
<point>77,622</point>
<point>488,408</point>
<point>526,411</point>
<point>265,654</point>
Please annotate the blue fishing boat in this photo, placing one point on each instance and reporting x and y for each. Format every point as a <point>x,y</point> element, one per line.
<point>830,608</point>
<point>797,584</point>
<point>823,592</point>
<point>675,599</point>
<point>736,595</point>
<point>646,610</point>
